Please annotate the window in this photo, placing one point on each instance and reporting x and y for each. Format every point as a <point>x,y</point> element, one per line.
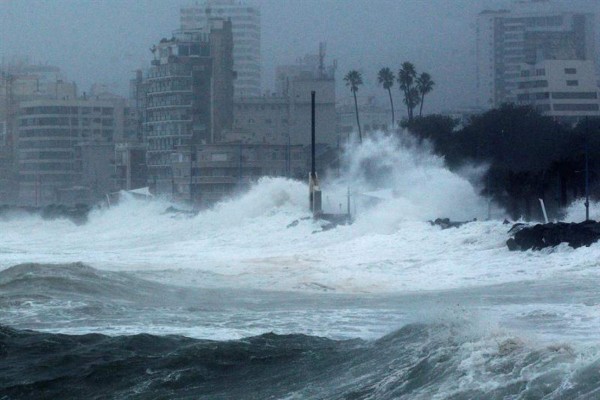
<point>218,157</point>
<point>573,83</point>
<point>570,71</point>
<point>574,95</point>
<point>576,107</point>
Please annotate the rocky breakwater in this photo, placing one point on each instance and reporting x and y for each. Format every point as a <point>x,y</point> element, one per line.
<point>540,236</point>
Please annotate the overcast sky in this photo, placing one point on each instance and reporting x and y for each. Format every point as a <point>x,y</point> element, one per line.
<point>104,41</point>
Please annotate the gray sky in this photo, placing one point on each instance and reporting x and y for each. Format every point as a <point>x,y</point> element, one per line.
<point>105,40</point>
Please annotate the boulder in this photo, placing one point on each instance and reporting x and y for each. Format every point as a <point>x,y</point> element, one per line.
<point>540,236</point>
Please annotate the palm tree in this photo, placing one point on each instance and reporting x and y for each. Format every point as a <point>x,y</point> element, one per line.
<point>406,80</point>
<point>412,100</point>
<point>386,79</point>
<point>353,79</point>
<point>424,85</point>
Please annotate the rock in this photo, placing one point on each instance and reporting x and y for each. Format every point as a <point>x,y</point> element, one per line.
<point>293,223</point>
<point>445,223</point>
<point>552,234</point>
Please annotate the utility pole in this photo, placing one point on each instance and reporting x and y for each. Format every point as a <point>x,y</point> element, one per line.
<point>587,170</point>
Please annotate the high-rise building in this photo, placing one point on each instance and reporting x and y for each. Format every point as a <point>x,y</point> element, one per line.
<point>509,41</point>
<point>186,97</point>
<point>245,21</point>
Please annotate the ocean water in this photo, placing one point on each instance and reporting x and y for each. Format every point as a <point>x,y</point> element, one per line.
<point>253,299</point>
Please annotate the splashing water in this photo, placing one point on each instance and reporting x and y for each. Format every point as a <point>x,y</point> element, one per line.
<point>479,321</point>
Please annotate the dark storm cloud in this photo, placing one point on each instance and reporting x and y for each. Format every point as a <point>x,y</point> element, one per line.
<point>104,41</point>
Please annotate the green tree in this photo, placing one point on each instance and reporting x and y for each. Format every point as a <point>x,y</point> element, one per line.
<point>386,78</point>
<point>424,85</point>
<point>406,80</point>
<point>353,80</point>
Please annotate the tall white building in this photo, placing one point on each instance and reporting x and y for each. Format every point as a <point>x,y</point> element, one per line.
<point>510,40</point>
<point>245,22</point>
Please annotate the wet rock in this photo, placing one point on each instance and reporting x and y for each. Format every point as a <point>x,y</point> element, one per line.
<point>549,235</point>
<point>293,223</point>
<point>445,223</point>
<point>177,211</point>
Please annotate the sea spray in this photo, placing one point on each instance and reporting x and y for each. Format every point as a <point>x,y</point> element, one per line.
<point>245,242</point>
<point>410,182</point>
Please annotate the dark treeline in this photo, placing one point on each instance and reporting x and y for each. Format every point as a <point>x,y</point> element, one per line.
<point>530,156</point>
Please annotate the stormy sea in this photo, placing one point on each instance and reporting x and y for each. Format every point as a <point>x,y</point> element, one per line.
<point>253,299</point>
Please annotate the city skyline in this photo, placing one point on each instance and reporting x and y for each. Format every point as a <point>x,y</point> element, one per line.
<point>93,43</point>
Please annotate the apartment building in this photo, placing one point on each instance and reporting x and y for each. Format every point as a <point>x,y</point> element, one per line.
<point>64,149</point>
<point>186,96</point>
<point>284,116</point>
<point>511,40</point>
<point>564,89</point>
<point>246,30</point>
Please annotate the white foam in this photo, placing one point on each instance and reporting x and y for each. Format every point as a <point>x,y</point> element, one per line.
<point>245,242</point>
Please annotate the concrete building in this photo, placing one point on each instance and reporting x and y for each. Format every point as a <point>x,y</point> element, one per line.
<point>186,96</point>
<point>131,171</point>
<point>65,149</point>
<point>215,171</point>
<point>564,89</point>
<point>245,21</point>
<point>530,32</point>
<point>285,116</point>
<point>20,82</point>
<point>373,117</point>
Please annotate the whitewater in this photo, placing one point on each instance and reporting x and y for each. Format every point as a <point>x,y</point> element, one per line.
<point>391,292</point>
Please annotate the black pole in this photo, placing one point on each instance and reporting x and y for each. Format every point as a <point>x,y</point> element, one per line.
<point>312,133</point>
<point>587,171</point>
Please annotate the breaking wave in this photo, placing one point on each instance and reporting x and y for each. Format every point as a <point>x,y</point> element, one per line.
<point>419,361</point>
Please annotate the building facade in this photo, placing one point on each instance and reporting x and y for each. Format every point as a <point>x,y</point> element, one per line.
<point>213,172</point>
<point>186,97</point>
<point>564,89</point>
<point>131,171</point>
<point>509,40</point>
<point>373,117</point>
<point>245,21</point>
<point>19,82</point>
<point>285,116</point>
<point>65,146</point>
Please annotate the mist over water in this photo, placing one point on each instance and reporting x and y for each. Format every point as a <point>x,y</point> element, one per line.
<point>464,317</point>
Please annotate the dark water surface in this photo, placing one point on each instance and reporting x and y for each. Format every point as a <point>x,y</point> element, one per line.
<point>524,340</point>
